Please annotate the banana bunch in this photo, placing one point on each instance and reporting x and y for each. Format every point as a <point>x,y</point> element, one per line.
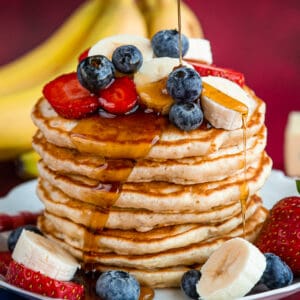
<point>22,80</point>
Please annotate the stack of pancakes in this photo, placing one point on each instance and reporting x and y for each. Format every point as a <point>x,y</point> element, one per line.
<point>137,194</point>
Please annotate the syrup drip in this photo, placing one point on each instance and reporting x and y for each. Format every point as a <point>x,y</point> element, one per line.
<point>179,31</point>
<point>231,103</point>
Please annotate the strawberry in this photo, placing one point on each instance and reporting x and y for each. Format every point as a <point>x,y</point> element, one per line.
<point>281,232</point>
<point>119,97</point>
<point>69,98</point>
<point>205,70</point>
<point>5,259</point>
<point>84,54</point>
<point>36,282</point>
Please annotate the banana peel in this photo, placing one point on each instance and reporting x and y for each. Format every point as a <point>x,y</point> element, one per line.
<point>26,165</point>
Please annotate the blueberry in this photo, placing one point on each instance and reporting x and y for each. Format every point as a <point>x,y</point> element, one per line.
<point>127,59</point>
<point>165,43</point>
<point>95,72</point>
<point>188,283</point>
<point>117,285</point>
<point>277,273</point>
<point>15,234</point>
<point>186,115</point>
<point>184,84</point>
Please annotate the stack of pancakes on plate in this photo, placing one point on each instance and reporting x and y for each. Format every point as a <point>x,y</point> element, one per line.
<point>135,193</point>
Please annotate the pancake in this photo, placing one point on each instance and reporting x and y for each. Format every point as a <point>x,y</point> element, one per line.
<point>215,166</point>
<point>58,203</point>
<point>151,270</point>
<point>136,243</point>
<point>161,196</point>
<point>116,140</point>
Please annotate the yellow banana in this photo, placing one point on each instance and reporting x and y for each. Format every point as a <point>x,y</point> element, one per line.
<point>26,164</point>
<point>162,14</point>
<point>16,127</point>
<point>37,64</point>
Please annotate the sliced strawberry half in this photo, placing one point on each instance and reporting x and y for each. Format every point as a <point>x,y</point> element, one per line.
<point>69,98</point>
<point>5,259</point>
<point>206,70</point>
<point>36,282</point>
<point>84,54</point>
<point>119,97</point>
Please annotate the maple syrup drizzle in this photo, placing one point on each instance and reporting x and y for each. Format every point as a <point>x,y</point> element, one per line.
<point>179,31</point>
<point>231,103</point>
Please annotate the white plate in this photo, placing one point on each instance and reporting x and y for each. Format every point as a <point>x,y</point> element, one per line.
<point>23,198</point>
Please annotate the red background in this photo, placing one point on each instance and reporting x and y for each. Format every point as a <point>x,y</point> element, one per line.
<point>259,38</point>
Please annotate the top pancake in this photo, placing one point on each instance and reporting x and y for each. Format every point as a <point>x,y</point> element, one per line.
<point>138,135</point>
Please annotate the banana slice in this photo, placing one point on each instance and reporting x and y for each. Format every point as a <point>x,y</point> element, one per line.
<point>199,50</point>
<point>224,102</point>
<point>42,255</point>
<point>107,45</point>
<point>150,81</point>
<point>231,271</point>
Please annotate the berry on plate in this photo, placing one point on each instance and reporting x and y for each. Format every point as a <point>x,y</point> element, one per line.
<point>277,273</point>
<point>68,98</point>
<point>281,232</point>
<point>117,285</point>
<point>186,115</point>
<point>127,59</point>
<point>36,282</point>
<point>188,283</point>
<point>206,70</point>
<point>165,43</point>
<point>184,84</point>
<point>95,72</point>
<point>120,97</point>
<point>5,259</point>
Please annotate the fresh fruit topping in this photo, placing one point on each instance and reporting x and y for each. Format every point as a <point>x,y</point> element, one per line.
<point>15,234</point>
<point>277,273</point>
<point>199,50</point>
<point>165,43</point>
<point>224,102</point>
<point>189,281</point>
<point>107,45</point>
<point>95,73</point>
<point>45,256</point>
<point>120,97</point>
<point>117,285</point>
<point>84,55</point>
<point>69,99</point>
<point>186,115</point>
<point>280,233</point>
<point>231,271</point>
<point>5,259</point>
<point>127,59</point>
<point>206,70</point>
<point>184,84</point>
<point>36,282</point>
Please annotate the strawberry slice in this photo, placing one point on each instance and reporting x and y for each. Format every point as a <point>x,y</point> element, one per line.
<point>206,70</point>
<point>36,282</point>
<point>119,97</point>
<point>84,54</point>
<point>5,259</point>
<point>281,232</point>
<point>69,98</point>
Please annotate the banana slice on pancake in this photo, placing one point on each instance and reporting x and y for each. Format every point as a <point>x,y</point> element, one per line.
<point>224,102</point>
<point>199,50</point>
<point>150,81</point>
<point>231,271</point>
<point>45,256</point>
<point>107,45</point>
